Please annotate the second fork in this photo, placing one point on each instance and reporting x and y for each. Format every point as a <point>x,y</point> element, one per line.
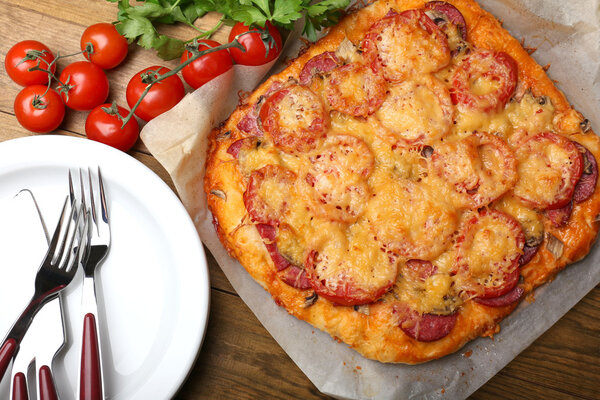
<point>91,379</point>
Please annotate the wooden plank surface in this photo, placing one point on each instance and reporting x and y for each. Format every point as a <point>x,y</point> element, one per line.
<point>239,359</point>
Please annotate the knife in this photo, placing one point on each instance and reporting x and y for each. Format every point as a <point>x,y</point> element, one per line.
<point>47,332</point>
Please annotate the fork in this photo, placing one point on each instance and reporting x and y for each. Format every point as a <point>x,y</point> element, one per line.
<point>91,379</point>
<point>55,273</point>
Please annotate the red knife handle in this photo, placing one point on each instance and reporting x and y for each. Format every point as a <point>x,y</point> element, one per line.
<point>7,351</point>
<point>19,391</point>
<point>46,382</point>
<point>90,384</point>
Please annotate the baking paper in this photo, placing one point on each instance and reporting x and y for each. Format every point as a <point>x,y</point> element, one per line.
<point>567,36</point>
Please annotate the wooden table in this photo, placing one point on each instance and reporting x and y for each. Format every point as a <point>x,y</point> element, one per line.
<point>239,359</point>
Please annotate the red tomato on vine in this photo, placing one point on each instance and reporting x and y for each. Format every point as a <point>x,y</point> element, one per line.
<point>26,55</point>
<point>39,109</point>
<point>206,67</point>
<point>108,47</point>
<point>161,97</point>
<point>104,125</point>
<point>261,47</point>
<point>83,85</point>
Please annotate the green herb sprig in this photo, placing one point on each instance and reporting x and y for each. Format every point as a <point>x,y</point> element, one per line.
<point>139,22</point>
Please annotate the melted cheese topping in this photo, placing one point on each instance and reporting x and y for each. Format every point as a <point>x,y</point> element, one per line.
<point>358,259</point>
<point>540,172</point>
<point>434,295</point>
<point>489,247</point>
<point>416,111</point>
<point>401,49</point>
<point>530,220</point>
<point>408,217</point>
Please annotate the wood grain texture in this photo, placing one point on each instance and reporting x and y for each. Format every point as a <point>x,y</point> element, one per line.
<point>239,359</point>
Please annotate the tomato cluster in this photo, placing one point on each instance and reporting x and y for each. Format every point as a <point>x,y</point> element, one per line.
<point>84,86</point>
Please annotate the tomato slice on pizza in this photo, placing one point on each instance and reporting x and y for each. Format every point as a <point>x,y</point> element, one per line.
<point>353,272</point>
<point>337,178</point>
<point>410,220</point>
<point>397,43</point>
<point>484,81</point>
<point>488,249</point>
<point>355,89</point>
<point>415,112</point>
<point>268,192</point>
<point>480,168</point>
<point>294,118</point>
<point>549,167</point>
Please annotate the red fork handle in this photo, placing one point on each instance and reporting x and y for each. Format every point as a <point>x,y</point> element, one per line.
<point>7,351</point>
<point>46,382</point>
<point>90,380</point>
<point>19,391</point>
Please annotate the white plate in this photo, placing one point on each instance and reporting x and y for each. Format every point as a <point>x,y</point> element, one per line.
<point>153,288</point>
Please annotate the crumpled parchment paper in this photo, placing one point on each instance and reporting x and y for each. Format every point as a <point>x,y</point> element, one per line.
<point>567,36</point>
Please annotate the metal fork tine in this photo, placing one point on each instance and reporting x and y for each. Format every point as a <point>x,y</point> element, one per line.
<point>72,215</point>
<point>92,201</point>
<point>102,197</point>
<point>84,205</point>
<point>57,230</point>
<point>82,241</point>
<point>71,191</point>
<point>67,256</point>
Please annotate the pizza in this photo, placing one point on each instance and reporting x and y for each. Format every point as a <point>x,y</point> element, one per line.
<point>406,181</point>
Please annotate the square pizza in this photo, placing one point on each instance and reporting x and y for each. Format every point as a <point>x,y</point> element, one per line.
<point>406,181</point>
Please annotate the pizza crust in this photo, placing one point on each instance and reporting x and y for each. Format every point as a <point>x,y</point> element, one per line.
<point>377,334</point>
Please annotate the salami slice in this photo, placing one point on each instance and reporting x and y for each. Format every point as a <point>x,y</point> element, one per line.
<point>425,327</point>
<point>416,112</point>
<point>587,183</point>
<point>319,64</point>
<point>295,277</point>
<point>444,13</point>
<point>508,298</point>
<point>528,253</point>
<point>484,273</point>
<point>337,178</point>
<point>560,216</point>
<point>289,273</point>
<point>268,233</point>
<point>249,123</point>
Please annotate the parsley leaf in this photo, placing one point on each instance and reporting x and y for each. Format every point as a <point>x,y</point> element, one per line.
<point>137,23</point>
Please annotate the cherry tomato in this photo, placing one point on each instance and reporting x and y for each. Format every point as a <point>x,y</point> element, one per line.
<point>104,127</point>
<point>39,112</point>
<point>109,47</point>
<point>206,67</point>
<point>256,52</point>
<point>87,85</point>
<point>19,71</point>
<point>163,96</point>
